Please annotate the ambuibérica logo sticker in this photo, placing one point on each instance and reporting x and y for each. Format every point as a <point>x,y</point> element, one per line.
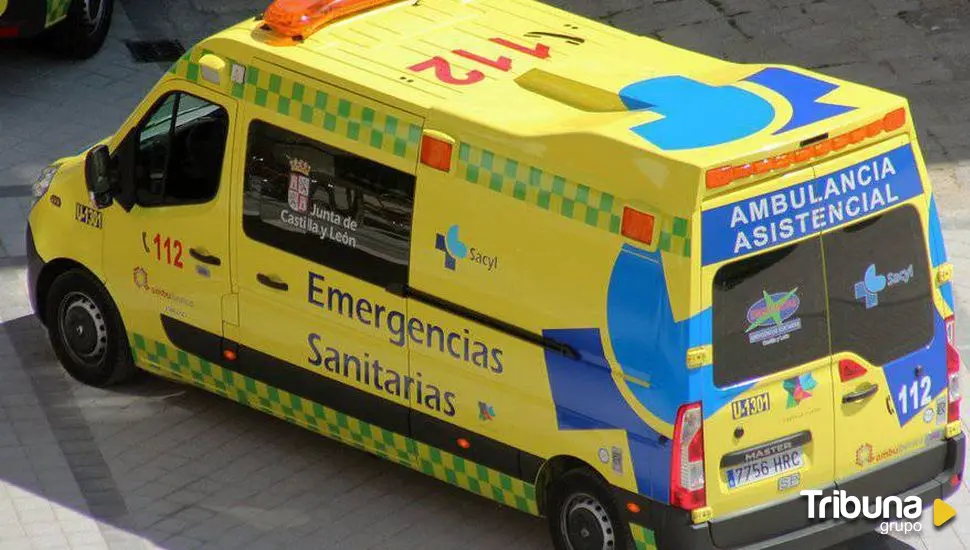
<point>898,514</point>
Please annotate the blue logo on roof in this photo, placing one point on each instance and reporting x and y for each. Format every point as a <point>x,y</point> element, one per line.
<point>696,114</point>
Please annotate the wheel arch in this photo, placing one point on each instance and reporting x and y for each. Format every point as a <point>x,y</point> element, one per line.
<point>48,274</point>
<point>553,469</point>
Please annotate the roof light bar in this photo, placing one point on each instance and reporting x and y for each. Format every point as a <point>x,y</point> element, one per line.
<point>719,177</point>
<point>301,18</point>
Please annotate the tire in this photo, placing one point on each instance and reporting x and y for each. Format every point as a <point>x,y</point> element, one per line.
<point>82,34</point>
<point>583,515</point>
<point>86,331</point>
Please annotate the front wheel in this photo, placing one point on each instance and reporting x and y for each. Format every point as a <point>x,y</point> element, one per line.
<point>86,331</point>
<point>83,32</point>
<point>583,515</point>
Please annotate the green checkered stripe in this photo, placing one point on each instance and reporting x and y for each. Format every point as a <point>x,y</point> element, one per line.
<point>538,187</point>
<point>171,362</point>
<point>476,478</point>
<point>675,235</point>
<point>556,194</point>
<point>56,10</point>
<point>319,107</point>
<point>642,537</point>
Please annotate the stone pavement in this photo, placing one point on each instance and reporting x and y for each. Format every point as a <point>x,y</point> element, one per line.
<point>153,464</point>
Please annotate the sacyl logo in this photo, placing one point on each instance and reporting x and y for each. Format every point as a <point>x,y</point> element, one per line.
<point>873,283</point>
<point>454,249</point>
<point>451,246</point>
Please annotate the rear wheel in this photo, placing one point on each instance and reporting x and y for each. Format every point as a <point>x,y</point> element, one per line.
<point>82,34</point>
<point>86,331</point>
<point>583,515</point>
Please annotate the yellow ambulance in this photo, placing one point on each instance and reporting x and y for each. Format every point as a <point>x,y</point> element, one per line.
<point>647,294</point>
<point>74,28</point>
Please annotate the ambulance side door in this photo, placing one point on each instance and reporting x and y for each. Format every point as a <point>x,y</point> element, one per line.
<point>167,259</point>
<point>323,233</point>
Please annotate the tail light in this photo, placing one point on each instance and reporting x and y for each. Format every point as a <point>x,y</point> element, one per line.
<point>687,488</point>
<point>952,372</point>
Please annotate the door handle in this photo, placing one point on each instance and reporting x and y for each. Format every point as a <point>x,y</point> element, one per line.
<point>864,393</point>
<point>200,255</point>
<point>271,282</point>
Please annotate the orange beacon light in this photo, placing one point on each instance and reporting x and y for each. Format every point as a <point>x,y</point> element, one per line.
<point>302,18</point>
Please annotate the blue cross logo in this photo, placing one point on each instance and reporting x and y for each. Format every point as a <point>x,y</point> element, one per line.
<point>451,246</point>
<point>870,286</point>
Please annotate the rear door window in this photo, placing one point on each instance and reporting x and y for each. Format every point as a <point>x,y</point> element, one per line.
<point>880,298</point>
<point>769,313</point>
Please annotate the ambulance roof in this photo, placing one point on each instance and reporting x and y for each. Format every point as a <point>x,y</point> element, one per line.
<point>573,91</point>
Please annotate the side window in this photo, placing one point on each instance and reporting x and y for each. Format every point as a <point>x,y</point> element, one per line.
<point>327,205</point>
<point>180,150</point>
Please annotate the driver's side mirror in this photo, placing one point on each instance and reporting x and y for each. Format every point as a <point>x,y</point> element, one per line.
<point>98,174</point>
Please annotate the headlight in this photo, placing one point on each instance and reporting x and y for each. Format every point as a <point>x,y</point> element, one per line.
<point>44,180</point>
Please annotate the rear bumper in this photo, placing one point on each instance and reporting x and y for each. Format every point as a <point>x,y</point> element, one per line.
<point>786,525</point>
<point>29,17</point>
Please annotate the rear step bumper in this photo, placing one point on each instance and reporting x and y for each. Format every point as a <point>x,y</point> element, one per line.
<point>786,525</point>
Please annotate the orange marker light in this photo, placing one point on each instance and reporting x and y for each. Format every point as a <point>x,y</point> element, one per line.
<point>304,17</point>
<point>436,153</point>
<point>726,175</point>
<point>633,507</point>
<point>637,225</point>
<point>894,120</point>
<point>840,142</point>
<point>229,354</point>
<point>719,177</point>
<point>464,443</point>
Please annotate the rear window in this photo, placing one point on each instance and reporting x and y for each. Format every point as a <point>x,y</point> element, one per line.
<point>770,309</point>
<point>880,299</point>
<point>769,313</point>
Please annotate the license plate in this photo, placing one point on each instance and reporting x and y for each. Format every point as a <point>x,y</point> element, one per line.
<point>770,466</point>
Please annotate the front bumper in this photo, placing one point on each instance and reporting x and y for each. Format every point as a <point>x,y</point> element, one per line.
<point>785,525</point>
<point>29,17</point>
<point>34,266</point>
